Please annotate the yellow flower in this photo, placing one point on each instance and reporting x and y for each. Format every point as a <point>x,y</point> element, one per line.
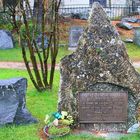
<point>64,113</point>
<point>47,119</point>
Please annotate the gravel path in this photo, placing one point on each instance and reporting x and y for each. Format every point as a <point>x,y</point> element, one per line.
<point>136,64</point>
<point>21,65</point>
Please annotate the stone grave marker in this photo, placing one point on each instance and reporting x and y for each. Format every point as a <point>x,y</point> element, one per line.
<point>102,107</point>
<point>136,38</point>
<point>39,41</point>
<point>6,41</point>
<point>13,102</point>
<point>99,86</point>
<point>74,35</point>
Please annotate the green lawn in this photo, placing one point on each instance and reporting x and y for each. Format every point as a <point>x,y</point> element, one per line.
<point>15,54</point>
<point>39,105</point>
<point>133,51</point>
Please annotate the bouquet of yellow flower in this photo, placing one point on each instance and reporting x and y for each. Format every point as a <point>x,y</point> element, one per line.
<point>57,124</point>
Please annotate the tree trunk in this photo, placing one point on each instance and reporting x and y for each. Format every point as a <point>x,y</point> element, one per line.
<point>41,78</point>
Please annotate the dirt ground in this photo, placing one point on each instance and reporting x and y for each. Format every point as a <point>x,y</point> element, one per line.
<point>67,23</point>
<point>123,32</point>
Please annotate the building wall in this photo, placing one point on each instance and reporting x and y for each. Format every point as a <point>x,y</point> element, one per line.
<point>117,2</point>
<point>75,2</point>
<point>86,2</point>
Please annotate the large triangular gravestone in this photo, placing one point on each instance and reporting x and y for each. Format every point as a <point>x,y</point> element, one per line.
<point>99,86</point>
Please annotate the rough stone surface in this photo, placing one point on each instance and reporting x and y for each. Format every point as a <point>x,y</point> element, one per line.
<point>100,63</point>
<point>6,41</point>
<point>13,103</point>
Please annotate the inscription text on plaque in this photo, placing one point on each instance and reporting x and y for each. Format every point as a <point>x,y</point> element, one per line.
<point>102,107</point>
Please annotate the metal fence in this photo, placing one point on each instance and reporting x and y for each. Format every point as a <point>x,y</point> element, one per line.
<point>115,12</point>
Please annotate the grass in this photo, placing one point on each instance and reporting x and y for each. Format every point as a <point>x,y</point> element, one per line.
<point>80,137</point>
<point>133,51</point>
<point>131,137</point>
<point>15,54</point>
<point>39,104</point>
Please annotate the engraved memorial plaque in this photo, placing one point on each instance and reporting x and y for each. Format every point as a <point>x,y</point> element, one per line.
<point>75,33</point>
<point>102,107</point>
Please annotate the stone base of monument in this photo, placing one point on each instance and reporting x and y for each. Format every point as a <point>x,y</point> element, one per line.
<point>13,102</point>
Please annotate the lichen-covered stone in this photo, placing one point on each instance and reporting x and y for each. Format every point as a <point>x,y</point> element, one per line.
<point>100,63</point>
<point>13,102</point>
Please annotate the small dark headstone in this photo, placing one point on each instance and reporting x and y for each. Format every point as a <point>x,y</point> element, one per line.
<point>125,25</point>
<point>13,103</point>
<point>137,36</point>
<point>6,41</point>
<point>75,33</point>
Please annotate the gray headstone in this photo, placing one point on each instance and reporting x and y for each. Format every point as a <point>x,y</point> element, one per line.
<point>13,103</point>
<point>39,41</point>
<point>137,36</point>
<point>138,21</point>
<point>75,33</point>
<point>125,25</point>
<point>6,41</point>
